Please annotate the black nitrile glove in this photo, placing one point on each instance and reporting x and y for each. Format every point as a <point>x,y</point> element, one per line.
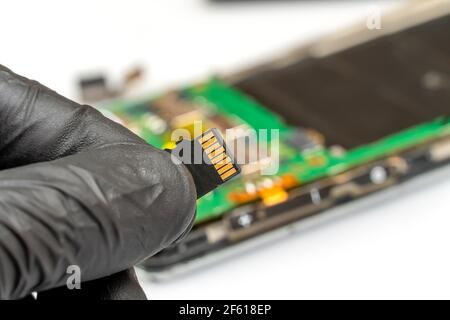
<point>79,189</point>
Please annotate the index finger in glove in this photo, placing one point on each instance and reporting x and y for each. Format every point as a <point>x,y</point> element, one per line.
<point>108,203</point>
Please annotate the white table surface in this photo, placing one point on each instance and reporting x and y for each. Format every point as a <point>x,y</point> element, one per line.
<point>390,246</point>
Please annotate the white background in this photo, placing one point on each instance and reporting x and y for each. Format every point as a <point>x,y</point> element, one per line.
<point>389,246</point>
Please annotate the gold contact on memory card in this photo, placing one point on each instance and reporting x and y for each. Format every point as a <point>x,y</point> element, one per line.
<point>217,152</point>
<point>214,147</point>
<point>209,142</point>
<point>210,149</point>
<point>224,161</point>
<point>228,174</point>
<point>206,136</point>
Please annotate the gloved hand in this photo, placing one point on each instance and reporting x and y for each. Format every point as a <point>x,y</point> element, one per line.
<point>79,189</point>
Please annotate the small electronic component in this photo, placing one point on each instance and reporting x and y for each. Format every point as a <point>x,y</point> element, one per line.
<point>96,88</point>
<point>175,110</point>
<point>208,160</point>
<point>270,191</point>
<point>303,139</point>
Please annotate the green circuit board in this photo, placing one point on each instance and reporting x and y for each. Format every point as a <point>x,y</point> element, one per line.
<point>219,104</point>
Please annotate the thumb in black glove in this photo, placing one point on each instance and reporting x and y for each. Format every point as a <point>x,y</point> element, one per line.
<point>79,189</point>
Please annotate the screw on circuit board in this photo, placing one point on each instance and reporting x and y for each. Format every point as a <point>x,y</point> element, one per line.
<point>378,175</point>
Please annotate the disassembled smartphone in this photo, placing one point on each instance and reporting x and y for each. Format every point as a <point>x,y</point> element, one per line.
<point>357,112</point>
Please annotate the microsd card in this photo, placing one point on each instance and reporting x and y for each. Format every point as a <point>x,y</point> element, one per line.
<point>208,160</point>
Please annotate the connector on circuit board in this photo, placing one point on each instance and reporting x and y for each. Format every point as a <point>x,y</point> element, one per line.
<point>208,160</point>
